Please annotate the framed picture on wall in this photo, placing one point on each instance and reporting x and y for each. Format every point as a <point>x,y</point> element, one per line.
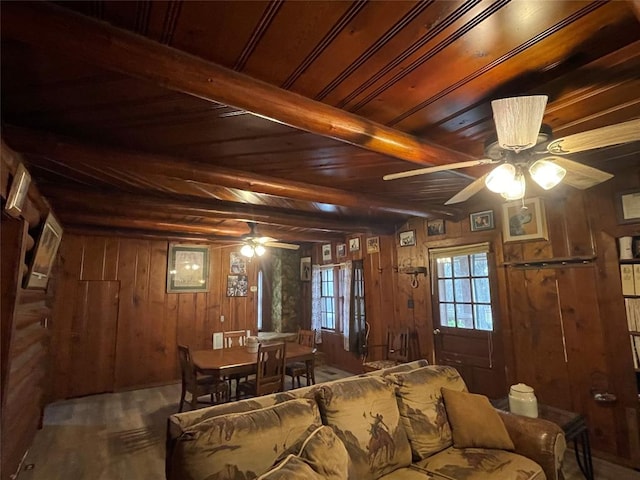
<point>407,238</point>
<point>524,220</point>
<point>187,268</point>
<point>326,252</point>
<point>238,263</point>
<point>628,206</point>
<point>482,221</point>
<point>341,250</point>
<point>435,227</point>
<point>18,192</point>
<point>373,245</point>
<point>237,285</point>
<point>305,269</point>
<point>44,254</point>
<point>354,244</point>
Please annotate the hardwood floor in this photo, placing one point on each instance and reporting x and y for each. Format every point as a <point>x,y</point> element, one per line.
<point>120,436</point>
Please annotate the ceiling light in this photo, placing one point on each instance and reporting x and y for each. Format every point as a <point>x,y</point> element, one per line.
<point>518,121</point>
<point>247,251</point>
<point>547,174</point>
<point>515,188</point>
<point>500,177</point>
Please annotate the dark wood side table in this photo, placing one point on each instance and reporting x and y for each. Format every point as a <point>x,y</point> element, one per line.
<point>573,425</point>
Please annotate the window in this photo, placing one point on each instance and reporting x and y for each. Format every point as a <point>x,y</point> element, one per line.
<point>464,292</point>
<point>260,294</point>
<point>327,298</point>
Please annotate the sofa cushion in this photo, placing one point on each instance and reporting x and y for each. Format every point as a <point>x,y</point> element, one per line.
<point>422,408</point>
<point>326,454</point>
<point>179,423</point>
<point>480,464</point>
<point>474,421</point>
<point>407,473</point>
<point>242,445</point>
<point>291,468</point>
<point>401,367</point>
<point>364,414</point>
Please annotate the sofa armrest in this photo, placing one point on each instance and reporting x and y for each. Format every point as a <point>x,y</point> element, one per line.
<point>540,440</point>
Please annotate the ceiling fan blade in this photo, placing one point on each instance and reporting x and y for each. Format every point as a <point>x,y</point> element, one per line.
<point>579,175</point>
<point>468,191</point>
<point>287,246</point>
<point>439,168</point>
<point>600,137</point>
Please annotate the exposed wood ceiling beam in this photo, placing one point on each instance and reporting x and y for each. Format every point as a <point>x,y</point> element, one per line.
<point>79,156</point>
<point>48,26</point>
<point>233,233</point>
<point>140,205</point>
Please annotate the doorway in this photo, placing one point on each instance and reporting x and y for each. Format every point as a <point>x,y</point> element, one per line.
<point>93,338</point>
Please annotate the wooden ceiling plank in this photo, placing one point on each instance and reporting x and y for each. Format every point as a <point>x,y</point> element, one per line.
<point>76,154</point>
<point>51,27</point>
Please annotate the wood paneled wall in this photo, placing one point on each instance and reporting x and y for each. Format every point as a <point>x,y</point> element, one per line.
<point>562,327</point>
<point>148,321</point>
<point>23,321</point>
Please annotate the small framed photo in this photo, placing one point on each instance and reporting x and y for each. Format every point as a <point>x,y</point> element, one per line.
<point>18,192</point>
<point>305,269</point>
<point>627,206</point>
<point>341,250</point>
<point>237,285</point>
<point>373,245</point>
<point>238,263</point>
<point>524,221</point>
<point>407,238</point>
<point>482,221</point>
<point>354,244</point>
<point>45,254</point>
<point>188,268</point>
<point>435,227</point>
<point>326,252</point>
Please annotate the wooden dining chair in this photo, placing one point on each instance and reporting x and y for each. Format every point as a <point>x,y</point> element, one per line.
<point>299,369</point>
<point>235,338</point>
<point>269,377</point>
<point>199,385</point>
<point>396,350</point>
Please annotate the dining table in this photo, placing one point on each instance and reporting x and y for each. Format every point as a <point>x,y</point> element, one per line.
<point>224,362</point>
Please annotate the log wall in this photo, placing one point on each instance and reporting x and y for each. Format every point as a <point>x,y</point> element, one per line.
<point>24,319</point>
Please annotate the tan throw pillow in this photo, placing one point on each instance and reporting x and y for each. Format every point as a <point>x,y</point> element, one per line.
<point>474,422</point>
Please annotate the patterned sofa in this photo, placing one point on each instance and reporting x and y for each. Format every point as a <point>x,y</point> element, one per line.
<point>409,422</point>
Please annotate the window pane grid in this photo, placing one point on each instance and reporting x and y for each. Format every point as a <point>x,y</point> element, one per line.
<point>464,291</point>
<point>327,301</point>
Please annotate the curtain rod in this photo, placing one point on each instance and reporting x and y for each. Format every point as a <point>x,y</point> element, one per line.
<point>329,265</point>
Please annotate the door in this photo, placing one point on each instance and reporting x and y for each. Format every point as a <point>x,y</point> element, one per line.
<point>465,319</point>
<point>93,338</point>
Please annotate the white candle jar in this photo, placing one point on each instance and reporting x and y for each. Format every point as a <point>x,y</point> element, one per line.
<point>522,400</point>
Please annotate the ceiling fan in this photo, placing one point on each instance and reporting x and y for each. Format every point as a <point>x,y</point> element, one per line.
<point>255,245</point>
<point>525,146</point>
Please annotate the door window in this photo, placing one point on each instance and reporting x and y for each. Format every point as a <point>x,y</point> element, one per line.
<point>463,288</point>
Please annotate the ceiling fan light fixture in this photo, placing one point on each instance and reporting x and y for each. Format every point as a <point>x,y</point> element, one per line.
<point>501,176</point>
<point>518,120</point>
<point>247,250</point>
<point>547,174</point>
<point>516,188</point>
<point>260,250</point>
